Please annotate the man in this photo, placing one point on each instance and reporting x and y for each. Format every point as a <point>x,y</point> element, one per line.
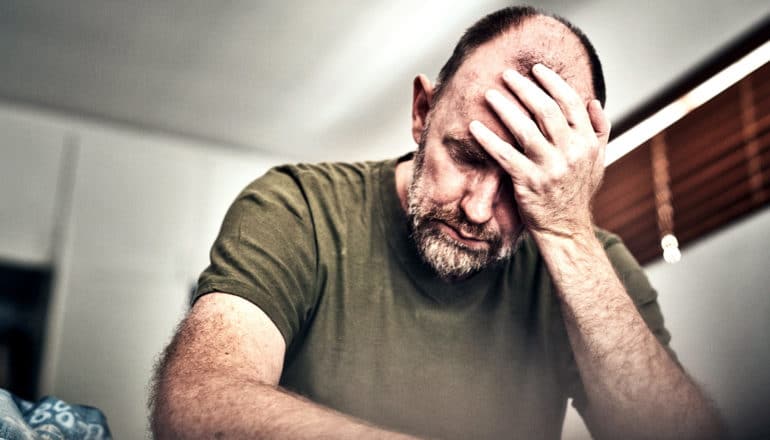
<point>459,293</point>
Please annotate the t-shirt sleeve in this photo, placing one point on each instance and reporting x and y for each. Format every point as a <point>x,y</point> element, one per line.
<point>645,298</point>
<point>266,252</point>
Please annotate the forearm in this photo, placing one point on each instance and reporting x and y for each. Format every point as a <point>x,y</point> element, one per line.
<point>225,406</point>
<point>633,385</point>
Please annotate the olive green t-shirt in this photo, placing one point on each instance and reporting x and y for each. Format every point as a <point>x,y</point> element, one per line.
<point>325,251</point>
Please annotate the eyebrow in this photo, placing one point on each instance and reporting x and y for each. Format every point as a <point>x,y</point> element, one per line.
<point>465,149</point>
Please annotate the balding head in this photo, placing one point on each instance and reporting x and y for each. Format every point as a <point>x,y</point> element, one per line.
<point>539,37</point>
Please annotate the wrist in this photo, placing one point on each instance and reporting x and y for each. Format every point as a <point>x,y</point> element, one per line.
<point>581,236</point>
<point>567,256</point>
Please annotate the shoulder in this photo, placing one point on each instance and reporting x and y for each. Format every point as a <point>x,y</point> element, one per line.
<point>328,172</point>
<point>324,180</point>
<point>616,250</point>
<point>607,238</point>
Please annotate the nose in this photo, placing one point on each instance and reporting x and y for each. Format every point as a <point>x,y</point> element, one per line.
<point>481,197</point>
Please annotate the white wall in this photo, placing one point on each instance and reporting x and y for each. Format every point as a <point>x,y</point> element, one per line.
<point>30,167</point>
<point>142,213</point>
<point>716,302</point>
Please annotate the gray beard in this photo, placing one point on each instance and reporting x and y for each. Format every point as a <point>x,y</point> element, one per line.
<point>451,260</point>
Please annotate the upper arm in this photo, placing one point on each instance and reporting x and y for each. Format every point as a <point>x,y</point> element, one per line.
<point>224,346</point>
<point>266,252</point>
<point>228,334</point>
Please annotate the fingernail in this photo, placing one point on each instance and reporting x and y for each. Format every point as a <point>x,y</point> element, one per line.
<point>510,75</point>
<point>492,95</point>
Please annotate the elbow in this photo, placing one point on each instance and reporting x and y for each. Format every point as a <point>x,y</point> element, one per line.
<point>169,403</point>
<point>163,416</point>
<point>175,416</point>
<point>190,406</point>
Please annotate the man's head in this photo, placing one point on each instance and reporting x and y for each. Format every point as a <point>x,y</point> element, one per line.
<point>460,202</point>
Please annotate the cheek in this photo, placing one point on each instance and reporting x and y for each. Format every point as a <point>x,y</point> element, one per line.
<point>444,182</point>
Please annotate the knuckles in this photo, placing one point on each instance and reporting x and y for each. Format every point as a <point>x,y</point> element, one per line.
<point>550,110</point>
<point>558,172</point>
<point>572,100</point>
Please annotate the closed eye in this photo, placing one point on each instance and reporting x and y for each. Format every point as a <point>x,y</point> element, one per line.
<point>466,152</point>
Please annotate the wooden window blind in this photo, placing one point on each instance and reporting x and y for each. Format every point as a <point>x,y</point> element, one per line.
<point>718,160</point>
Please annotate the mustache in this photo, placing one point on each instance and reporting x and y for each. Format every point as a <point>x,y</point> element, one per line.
<point>456,219</point>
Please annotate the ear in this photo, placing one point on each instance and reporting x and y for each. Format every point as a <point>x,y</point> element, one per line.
<point>422,98</point>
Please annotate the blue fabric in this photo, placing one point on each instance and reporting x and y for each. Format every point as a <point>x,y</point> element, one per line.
<point>49,419</point>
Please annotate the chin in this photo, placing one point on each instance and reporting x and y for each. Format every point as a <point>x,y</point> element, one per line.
<point>452,260</point>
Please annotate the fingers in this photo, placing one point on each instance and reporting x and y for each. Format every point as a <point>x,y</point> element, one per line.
<point>558,111</point>
<point>517,165</point>
<point>526,132</point>
<point>545,111</point>
<point>571,104</point>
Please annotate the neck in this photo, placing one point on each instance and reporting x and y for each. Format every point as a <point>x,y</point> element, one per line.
<point>404,174</point>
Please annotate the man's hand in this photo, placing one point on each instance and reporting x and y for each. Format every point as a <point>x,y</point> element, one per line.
<point>563,146</point>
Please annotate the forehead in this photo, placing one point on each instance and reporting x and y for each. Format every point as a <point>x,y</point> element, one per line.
<point>537,40</point>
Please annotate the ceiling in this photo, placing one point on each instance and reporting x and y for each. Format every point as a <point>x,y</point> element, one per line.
<point>295,79</point>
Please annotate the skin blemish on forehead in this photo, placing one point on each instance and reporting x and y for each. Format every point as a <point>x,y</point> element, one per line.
<point>525,60</point>
<point>468,95</point>
<point>547,41</point>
